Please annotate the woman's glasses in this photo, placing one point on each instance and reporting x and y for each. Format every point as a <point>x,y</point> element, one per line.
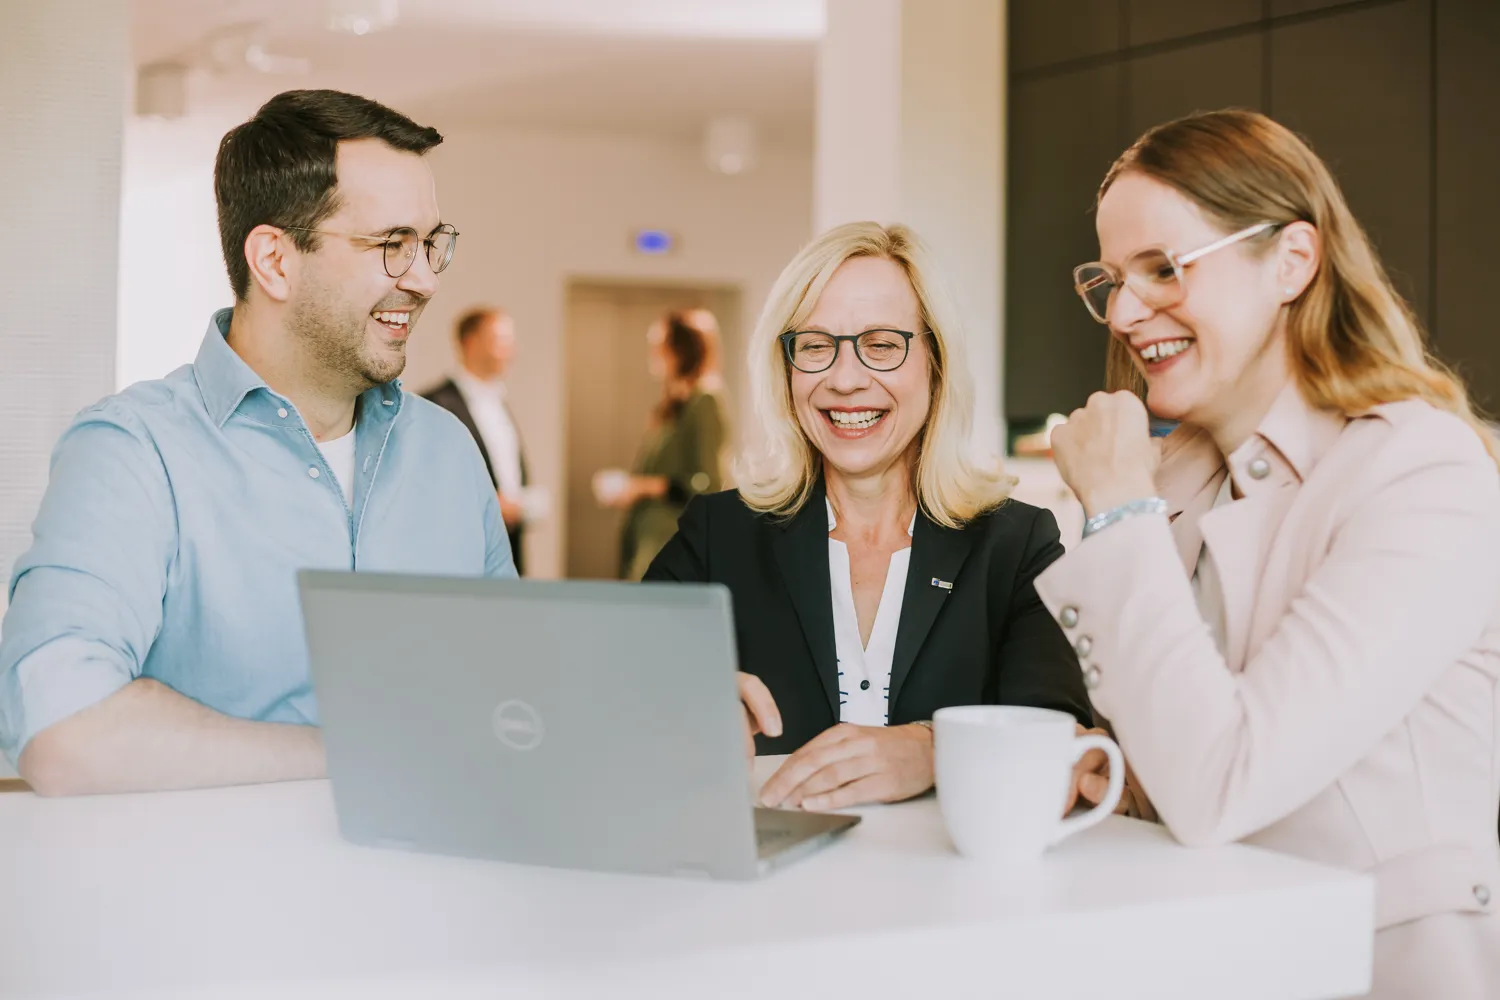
<point>814,351</point>
<point>1153,274</point>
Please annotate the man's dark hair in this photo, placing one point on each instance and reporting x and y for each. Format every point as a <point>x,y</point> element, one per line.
<point>280,167</point>
<point>471,322</point>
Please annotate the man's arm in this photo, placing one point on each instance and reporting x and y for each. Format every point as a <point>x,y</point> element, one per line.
<point>146,737</point>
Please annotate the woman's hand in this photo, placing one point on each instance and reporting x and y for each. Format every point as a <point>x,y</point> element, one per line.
<point>852,765</point>
<point>1105,452</point>
<point>634,490</point>
<point>761,713</point>
<point>1091,782</point>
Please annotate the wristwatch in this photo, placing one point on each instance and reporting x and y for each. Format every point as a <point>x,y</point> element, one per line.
<point>925,723</point>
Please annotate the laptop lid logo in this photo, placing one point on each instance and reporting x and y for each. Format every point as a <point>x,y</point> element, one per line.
<point>517,725</point>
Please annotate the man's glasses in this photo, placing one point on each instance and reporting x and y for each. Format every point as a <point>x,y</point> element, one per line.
<point>813,351</point>
<point>400,246</point>
<point>1153,274</point>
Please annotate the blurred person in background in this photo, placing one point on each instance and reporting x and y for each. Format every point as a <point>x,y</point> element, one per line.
<point>1289,610</point>
<point>878,570</point>
<point>154,635</point>
<point>476,395</point>
<point>681,457</point>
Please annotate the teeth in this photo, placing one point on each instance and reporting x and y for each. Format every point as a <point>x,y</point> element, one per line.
<point>1164,349</point>
<point>858,420</point>
<point>393,318</point>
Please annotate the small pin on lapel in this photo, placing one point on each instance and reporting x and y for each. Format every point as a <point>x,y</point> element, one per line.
<point>941,584</point>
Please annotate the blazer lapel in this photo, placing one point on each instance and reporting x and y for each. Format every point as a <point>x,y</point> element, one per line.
<point>1191,473</point>
<point>459,407</point>
<point>801,548</point>
<point>937,554</point>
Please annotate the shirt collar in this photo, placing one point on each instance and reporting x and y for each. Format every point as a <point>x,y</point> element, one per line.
<point>469,385</point>
<point>223,377</point>
<point>225,380</point>
<point>833,522</point>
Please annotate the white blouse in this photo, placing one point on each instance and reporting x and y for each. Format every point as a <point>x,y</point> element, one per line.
<point>865,671</point>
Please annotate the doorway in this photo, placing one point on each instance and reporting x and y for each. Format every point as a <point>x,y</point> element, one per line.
<point>611,395</point>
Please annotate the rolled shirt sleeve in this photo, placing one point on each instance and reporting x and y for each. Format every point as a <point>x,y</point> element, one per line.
<point>86,598</point>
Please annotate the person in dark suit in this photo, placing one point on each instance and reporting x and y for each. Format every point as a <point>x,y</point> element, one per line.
<point>877,571</point>
<point>477,397</point>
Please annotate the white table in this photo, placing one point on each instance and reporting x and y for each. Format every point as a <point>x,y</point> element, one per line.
<point>250,893</point>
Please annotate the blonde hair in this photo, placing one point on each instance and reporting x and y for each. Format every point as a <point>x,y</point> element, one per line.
<point>1354,342</point>
<point>952,488</point>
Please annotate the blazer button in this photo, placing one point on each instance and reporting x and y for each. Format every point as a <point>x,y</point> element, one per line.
<point>1068,616</point>
<point>864,685</point>
<point>1091,678</point>
<point>1085,646</point>
<point>1260,469</point>
<point>1482,895</point>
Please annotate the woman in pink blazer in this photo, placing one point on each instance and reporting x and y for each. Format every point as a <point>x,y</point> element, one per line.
<point>1291,612</point>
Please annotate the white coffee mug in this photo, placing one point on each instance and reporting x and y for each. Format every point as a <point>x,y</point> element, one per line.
<point>1003,776</point>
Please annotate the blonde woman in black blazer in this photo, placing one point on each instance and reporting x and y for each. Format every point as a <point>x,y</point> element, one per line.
<point>878,572</point>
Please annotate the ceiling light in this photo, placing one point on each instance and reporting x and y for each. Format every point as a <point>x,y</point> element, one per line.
<point>361,17</point>
<point>729,145</point>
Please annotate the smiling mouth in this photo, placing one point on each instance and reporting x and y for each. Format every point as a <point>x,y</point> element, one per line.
<point>1162,350</point>
<point>854,422</point>
<point>397,321</point>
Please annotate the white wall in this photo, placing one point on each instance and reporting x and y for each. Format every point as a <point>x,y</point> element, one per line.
<point>534,208</point>
<point>59,185</point>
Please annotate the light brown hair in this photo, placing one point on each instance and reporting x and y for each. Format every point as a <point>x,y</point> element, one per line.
<point>1354,342</point>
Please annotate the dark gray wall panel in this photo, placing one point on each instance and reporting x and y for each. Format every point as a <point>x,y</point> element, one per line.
<point>1465,327</point>
<point>1202,77</point>
<point>1358,85</point>
<point>1064,134</point>
<point>1043,32</point>
<point>1150,21</point>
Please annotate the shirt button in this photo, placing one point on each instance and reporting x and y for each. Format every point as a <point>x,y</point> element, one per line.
<point>1482,894</point>
<point>1085,646</point>
<point>864,685</point>
<point>313,471</point>
<point>281,413</point>
<point>1068,617</point>
<point>1091,678</point>
<point>1260,469</point>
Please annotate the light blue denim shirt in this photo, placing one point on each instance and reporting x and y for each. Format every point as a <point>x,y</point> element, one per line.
<point>176,517</point>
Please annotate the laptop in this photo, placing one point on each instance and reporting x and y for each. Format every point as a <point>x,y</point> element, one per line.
<point>573,724</point>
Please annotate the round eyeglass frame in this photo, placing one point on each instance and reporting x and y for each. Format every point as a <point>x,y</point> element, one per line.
<point>394,244</point>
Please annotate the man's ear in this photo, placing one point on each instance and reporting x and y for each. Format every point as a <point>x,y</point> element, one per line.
<point>272,259</point>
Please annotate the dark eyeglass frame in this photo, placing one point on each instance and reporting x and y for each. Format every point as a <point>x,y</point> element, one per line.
<point>394,242</point>
<point>789,340</point>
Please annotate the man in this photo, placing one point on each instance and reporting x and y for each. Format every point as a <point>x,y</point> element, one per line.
<point>154,638</point>
<point>476,396</point>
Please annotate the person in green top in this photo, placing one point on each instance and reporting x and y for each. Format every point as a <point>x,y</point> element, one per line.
<point>680,457</point>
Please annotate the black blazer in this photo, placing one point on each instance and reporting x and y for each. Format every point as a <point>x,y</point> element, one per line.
<point>449,398</point>
<point>988,640</point>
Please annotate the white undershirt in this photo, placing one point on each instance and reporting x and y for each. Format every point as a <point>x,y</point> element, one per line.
<point>865,671</point>
<point>485,399</point>
<point>339,454</point>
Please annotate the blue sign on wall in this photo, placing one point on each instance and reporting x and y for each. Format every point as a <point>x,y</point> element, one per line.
<point>654,241</point>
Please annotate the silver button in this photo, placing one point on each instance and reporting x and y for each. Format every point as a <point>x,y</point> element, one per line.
<point>386,402</point>
<point>1482,894</point>
<point>1260,469</point>
<point>1085,646</point>
<point>313,471</point>
<point>1091,678</point>
<point>281,413</point>
<point>1068,616</point>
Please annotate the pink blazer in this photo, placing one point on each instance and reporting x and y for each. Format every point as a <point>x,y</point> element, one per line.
<point>1352,716</point>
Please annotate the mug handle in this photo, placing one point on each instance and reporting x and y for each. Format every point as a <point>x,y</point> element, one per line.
<point>1075,824</point>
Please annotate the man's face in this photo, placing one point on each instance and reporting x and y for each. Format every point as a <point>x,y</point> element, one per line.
<point>353,317</point>
<point>489,349</point>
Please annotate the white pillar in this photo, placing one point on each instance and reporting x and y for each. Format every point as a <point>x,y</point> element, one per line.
<point>63,91</point>
<point>910,128</point>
